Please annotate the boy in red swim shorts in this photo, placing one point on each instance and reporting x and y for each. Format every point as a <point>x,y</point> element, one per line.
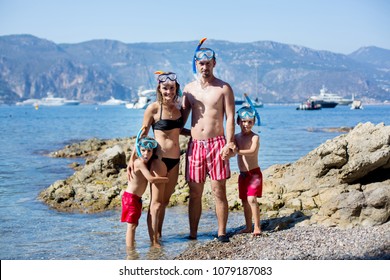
<point>250,180</point>
<point>131,198</point>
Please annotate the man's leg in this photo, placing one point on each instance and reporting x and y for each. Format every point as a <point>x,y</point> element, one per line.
<point>195,207</point>
<point>221,205</point>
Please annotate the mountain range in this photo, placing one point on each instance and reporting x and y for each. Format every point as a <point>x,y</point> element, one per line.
<point>93,71</point>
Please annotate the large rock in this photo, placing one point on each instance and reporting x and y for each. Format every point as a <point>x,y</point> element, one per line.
<point>96,187</point>
<point>345,182</point>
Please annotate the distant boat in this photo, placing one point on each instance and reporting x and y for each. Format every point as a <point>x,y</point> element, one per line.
<point>145,97</point>
<point>257,103</point>
<point>325,104</point>
<point>112,102</point>
<point>50,100</point>
<point>309,105</point>
<point>356,104</point>
<point>31,101</point>
<point>239,101</point>
<point>327,99</point>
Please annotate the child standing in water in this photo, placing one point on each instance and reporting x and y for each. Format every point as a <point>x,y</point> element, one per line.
<point>137,183</point>
<point>250,180</point>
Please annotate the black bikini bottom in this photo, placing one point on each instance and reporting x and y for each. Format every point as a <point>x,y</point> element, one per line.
<point>170,162</point>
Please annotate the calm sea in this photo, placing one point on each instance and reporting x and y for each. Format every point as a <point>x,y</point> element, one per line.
<point>31,230</point>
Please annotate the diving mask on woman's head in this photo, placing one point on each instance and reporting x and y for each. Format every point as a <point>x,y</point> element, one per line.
<point>164,76</point>
<point>246,113</point>
<point>204,54</point>
<point>147,143</point>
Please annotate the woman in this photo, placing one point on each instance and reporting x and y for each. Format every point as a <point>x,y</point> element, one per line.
<point>165,118</point>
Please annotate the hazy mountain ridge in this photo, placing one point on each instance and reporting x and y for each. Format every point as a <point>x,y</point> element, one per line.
<point>95,70</point>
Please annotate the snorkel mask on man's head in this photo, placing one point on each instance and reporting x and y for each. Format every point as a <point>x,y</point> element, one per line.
<point>201,54</point>
<point>246,113</point>
<point>204,54</point>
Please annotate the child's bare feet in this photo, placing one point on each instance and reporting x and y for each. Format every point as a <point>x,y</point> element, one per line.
<point>256,232</point>
<point>132,254</point>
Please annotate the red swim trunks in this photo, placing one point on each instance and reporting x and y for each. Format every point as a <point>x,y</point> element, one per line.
<point>250,183</point>
<point>131,208</point>
<point>203,157</point>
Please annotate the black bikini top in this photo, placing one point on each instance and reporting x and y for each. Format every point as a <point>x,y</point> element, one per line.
<point>167,124</point>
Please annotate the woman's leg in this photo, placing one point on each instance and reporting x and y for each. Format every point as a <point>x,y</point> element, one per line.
<point>156,203</point>
<point>169,189</point>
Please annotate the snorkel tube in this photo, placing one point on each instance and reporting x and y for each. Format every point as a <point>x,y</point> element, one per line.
<point>194,60</point>
<point>253,108</point>
<point>137,141</point>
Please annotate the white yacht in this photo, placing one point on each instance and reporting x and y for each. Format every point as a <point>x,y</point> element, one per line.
<point>50,100</point>
<point>112,102</point>
<point>328,97</point>
<point>145,97</point>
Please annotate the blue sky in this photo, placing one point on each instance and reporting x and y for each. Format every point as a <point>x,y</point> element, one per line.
<point>340,26</point>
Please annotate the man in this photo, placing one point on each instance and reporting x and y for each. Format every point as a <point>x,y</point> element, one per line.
<point>210,100</point>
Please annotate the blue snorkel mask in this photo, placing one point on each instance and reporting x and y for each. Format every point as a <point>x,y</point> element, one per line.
<point>147,143</point>
<point>246,113</point>
<point>194,58</point>
<point>144,142</point>
<point>204,54</point>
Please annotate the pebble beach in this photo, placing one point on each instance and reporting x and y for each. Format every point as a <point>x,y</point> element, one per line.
<point>299,243</point>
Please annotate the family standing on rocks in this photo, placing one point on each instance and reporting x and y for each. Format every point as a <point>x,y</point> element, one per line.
<point>210,100</point>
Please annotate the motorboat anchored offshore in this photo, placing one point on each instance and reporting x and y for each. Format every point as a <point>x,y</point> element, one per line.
<point>309,105</point>
<point>327,97</point>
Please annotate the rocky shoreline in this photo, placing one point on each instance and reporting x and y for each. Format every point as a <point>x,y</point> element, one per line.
<point>340,189</point>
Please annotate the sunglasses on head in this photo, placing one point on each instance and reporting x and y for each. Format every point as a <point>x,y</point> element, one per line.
<point>147,143</point>
<point>204,54</point>
<point>162,78</point>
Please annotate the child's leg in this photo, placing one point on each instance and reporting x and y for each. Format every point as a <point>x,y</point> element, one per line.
<point>248,216</point>
<point>130,236</point>
<point>255,210</point>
